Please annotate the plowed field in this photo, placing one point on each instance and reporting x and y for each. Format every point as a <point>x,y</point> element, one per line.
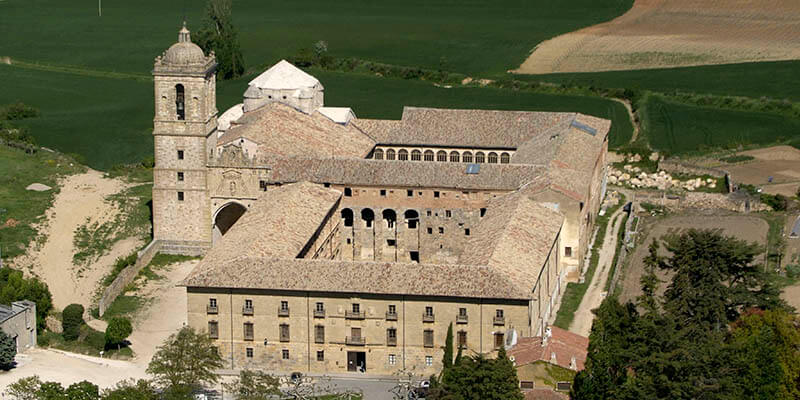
<point>674,33</point>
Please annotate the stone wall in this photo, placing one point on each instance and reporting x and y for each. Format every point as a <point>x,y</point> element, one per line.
<point>677,167</point>
<point>126,276</point>
<point>408,352</point>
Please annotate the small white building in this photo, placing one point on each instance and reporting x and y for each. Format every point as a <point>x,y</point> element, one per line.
<point>19,322</point>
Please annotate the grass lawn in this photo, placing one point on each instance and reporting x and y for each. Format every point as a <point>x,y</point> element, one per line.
<point>106,121</point>
<point>23,208</point>
<point>778,79</point>
<point>470,36</point>
<point>683,129</point>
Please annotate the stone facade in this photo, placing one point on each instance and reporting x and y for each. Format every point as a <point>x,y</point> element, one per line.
<point>19,322</point>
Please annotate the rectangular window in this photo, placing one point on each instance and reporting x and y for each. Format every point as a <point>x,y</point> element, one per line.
<point>441,230</point>
<point>498,340</point>
<point>262,185</point>
<point>410,193</point>
<point>180,154</point>
<point>392,359</point>
<point>498,313</point>
<point>213,329</point>
<point>568,251</point>
<point>428,361</point>
<point>284,305</point>
<point>392,309</point>
<point>180,196</point>
<point>429,213</point>
<point>355,333</point>
<point>249,352</point>
<point>430,231</point>
<point>180,176</point>
<point>429,311</point>
<point>435,195</point>
<point>427,337</point>
<point>391,242</point>
<point>466,231</point>
<point>356,308</point>
<point>248,331</point>
<point>414,256</point>
<point>391,337</point>
<point>320,307</point>
<point>462,339</point>
<point>348,192</point>
<point>284,331</point>
<point>383,192</point>
<point>285,354</point>
<point>462,312</point>
<point>320,355</point>
<point>319,334</point>
<point>212,302</point>
<point>448,213</point>
<point>248,303</point>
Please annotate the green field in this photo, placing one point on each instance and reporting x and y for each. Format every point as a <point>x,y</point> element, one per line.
<point>108,121</point>
<point>682,129</point>
<point>469,36</point>
<point>778,80</point>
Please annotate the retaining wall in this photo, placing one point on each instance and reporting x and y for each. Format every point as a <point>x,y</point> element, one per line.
<point>126,276</point>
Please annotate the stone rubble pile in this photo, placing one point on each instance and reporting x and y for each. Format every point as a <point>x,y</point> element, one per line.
<point>634,177</point>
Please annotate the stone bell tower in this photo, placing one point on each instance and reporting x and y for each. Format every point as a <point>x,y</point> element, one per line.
<point>185,115</point>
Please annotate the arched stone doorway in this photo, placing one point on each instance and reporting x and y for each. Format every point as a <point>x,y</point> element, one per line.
<point>225,218</point>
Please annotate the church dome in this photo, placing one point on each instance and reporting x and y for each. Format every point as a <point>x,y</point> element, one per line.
<point>184,52</point>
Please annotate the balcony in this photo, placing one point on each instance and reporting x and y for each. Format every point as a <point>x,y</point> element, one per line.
<point>283,312</point>
<point>355,314</point>
<point>212,310</point>
<point>391,341</point>
<point>462,319</point>
<point>319,313</point>
<point>499,320</point>
<point>428,318</point>
<point>355,340</point>
<point>247,310</point>
<point>391,316</point>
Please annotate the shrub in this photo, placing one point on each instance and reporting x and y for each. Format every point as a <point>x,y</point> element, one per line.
<point>17,111</point>
<point>737,158</point>
<point>8,351</point>
<point>117,331</point>
<point>72,320</point>
<point>778,202</point>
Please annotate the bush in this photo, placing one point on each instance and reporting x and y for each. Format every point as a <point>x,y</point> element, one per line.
<point>72,320</point>
<point>737,158</point>
<point>778,202</point>
<point>793,271</point>
<point>17,111</point>
<point>117,331</point>
<point>8,350</point>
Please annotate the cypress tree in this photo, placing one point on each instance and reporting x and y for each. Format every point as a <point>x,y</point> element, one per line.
<point>447,360</point>
<point>7,351</point>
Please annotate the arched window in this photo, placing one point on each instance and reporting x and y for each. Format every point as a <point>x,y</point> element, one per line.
<point>428,155</point>
<point>466,157</point>
<point>492,158</point>
<point>416,155</point>
<point>402,155</point>
<point>368,216</point>
<point>347,216</point>
<point>389,216</point>
<point>505,158</point>
<point>180,109</point>
<point>441,156</point>
<point>378,155</point>
<point>412,218</point>
<point>390,154</point>
<point>479,158</point>
<point>454,156</point>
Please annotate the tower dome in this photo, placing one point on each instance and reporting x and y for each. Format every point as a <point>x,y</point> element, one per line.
<point>184,52</point>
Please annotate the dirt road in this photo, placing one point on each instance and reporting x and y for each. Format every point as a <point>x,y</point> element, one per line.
<point>81,198</point>
<point>582,323</point>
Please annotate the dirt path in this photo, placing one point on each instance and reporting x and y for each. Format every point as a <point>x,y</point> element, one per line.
<point>582,323</point>
<point>165,315</point>
<point>81,197</point>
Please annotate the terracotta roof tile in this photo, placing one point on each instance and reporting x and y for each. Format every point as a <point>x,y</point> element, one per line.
<point>563,343</point>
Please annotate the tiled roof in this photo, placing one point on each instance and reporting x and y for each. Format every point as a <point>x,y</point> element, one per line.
<point>544,394</point>
<point>281,130</point>
<point>355,277</point>
<point>279,224</point>
<point>359,172</point>
<point>464,128</point>
<point>516,237</point>
<point>563,343</point>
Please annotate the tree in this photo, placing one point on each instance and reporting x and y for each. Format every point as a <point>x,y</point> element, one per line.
<point>72,320</point>
<point>118,329</point>
<point>219,35</point>
<point>132,390</point>
<point>480,378</point>
<point>24,389</point>
<point>186,360</point>
<point>447,360</point>
<point>8,350</point>
<point>254,385</point>
<point>83,390</point>
<point>15,287</point>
